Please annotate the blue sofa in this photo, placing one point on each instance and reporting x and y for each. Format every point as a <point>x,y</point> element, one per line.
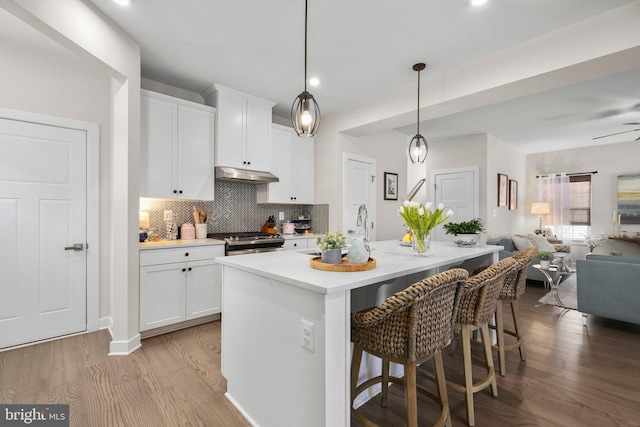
<point>609,286</point>
<point>532,273</point>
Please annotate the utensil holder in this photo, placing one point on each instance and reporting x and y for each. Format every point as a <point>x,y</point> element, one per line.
<point>201,231</point>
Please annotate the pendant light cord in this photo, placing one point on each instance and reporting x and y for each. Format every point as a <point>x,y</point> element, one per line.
<point>418,121</point>
<point>305,44</point>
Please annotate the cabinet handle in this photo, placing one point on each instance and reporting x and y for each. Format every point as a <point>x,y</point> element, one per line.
<point>189,269</point>
<point>175,191</point>
<point>184,269</point>
<point>180,191</point>
<point>244,163</point>
<point>186,254</point>
<point>295,244</point>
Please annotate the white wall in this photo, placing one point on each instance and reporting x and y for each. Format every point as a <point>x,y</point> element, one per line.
<point>609,160</point>
<point>503,158</point>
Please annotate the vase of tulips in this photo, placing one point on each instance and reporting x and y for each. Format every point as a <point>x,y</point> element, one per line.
<point>421,220</point>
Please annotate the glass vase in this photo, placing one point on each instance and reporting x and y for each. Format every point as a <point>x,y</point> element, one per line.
<point>420,242</point>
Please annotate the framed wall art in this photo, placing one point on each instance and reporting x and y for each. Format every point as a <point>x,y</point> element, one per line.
<point>629,199</point>
<point>513,195</point>
<point>390,186</point>
<point>503,190</point>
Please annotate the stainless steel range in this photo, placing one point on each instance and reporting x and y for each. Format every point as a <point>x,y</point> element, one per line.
<point>249,243</point>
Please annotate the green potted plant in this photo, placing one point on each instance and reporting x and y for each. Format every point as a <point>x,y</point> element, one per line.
<point>468,232</point>
<point>545,259</point>
<point>331,247</point>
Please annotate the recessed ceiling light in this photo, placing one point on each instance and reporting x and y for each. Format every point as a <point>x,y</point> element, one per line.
<point>314,81</point>
<point>123,2</point>
<point>478,2</point>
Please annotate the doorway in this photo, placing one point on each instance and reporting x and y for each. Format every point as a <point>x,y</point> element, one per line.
<point>359,189</point>
<point>44,261</point>
<point>458,190</point>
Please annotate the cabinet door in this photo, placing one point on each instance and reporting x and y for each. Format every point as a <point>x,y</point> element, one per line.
<point>231,118</point>
<point>258,126</point>
<point>158,147</point>
<point>302,184</point>
<point>280,192</point>
<point>204,289</point>
<point>162,295</point>
<point>196,173</point>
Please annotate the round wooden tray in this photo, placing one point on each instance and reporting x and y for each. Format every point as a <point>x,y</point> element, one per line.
<point>344,266</point>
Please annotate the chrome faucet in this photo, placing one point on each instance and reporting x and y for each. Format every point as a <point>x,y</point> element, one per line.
<point>363,216</point>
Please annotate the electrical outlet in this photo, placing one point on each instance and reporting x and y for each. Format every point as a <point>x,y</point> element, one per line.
<point>168,215</point>
<point>281,216</point>
<point>307,334</point>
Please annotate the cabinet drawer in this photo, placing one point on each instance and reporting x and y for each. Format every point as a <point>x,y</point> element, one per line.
<point>295,244</point>
<point>191,253</point>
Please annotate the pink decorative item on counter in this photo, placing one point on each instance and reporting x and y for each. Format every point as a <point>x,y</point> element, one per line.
<point>187,232</point>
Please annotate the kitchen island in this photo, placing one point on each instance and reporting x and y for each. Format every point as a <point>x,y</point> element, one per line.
<point>286,326</point>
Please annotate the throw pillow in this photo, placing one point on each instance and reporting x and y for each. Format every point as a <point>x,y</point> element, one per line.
<point>560,247</point>
<point>541,243</point>
<point>521,243</point>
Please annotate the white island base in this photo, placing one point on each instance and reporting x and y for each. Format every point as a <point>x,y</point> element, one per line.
<point>285,327</point>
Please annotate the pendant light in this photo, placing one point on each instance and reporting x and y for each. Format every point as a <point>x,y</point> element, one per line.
<point>305,113</point>
<point>418,146</point>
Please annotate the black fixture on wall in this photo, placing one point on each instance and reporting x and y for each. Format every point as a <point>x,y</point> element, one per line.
<point>418,148</point>
<point>305,113</point>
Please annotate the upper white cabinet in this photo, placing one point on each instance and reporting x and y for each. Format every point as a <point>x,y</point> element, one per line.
<point>292,160</point>
<point>176,148</point>
<point>243,125</point>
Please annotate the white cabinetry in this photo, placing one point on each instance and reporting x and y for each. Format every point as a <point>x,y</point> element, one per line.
<point>301,242</point>
<point>243,126</point>
<point>179,284</point>
<point>292,161</point>
<point>176,148</point>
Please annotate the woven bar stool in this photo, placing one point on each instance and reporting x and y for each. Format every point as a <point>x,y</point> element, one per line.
<point>478,300</point>
<point>410,327</point>
<point>512,290</point>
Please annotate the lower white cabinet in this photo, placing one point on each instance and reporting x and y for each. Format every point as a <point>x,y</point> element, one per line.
<point>179,284</point>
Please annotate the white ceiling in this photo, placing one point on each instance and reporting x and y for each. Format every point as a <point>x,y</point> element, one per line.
<point>360,49</point>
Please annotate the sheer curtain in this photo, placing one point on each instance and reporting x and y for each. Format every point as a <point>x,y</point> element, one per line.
<point>555,191</point>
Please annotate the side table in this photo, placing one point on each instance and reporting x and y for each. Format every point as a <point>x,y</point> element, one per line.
<point>554,275</point>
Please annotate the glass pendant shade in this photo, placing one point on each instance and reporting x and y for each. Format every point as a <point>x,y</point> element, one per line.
<point>305,115</point>
<point>418,149</point>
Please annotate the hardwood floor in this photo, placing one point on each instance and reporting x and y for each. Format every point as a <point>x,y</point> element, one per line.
<point>173,380</point>
<point>573,376</point>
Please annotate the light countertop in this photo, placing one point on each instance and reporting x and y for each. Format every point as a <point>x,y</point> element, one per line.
<point>392,261</point>
<point>302,236</point>
<point>164,244</point>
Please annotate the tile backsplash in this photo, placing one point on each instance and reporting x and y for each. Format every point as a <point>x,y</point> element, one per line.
<point>234,210</point>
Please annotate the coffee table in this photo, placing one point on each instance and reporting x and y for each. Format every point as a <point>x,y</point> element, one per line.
<point>554,275</point>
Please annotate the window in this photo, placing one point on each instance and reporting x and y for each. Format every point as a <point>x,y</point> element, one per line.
<point>580,196</point>
<point>579,210</point>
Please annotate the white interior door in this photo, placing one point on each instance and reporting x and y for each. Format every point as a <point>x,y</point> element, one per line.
<point>360,181</point>
<point>458,190</point>
<point>43,173</point>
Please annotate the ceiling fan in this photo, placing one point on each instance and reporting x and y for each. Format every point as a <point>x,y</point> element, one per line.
<point>626,131</point>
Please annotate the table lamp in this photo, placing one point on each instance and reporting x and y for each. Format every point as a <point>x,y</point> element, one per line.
<point>540,208</point>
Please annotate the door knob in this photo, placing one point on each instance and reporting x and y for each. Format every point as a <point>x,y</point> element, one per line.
<point>75,247</point>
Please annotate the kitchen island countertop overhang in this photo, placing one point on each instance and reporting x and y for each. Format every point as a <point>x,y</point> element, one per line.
<point>392,261</point>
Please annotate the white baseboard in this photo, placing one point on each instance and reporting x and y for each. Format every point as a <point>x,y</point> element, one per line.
<point>124,348</point>
<point>106,323</point>
<point>241,410</point>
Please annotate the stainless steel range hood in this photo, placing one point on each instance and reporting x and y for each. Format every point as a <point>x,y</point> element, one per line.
<point>225,173</point>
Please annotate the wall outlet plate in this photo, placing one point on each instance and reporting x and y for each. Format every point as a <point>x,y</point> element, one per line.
<point>308,337</point>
